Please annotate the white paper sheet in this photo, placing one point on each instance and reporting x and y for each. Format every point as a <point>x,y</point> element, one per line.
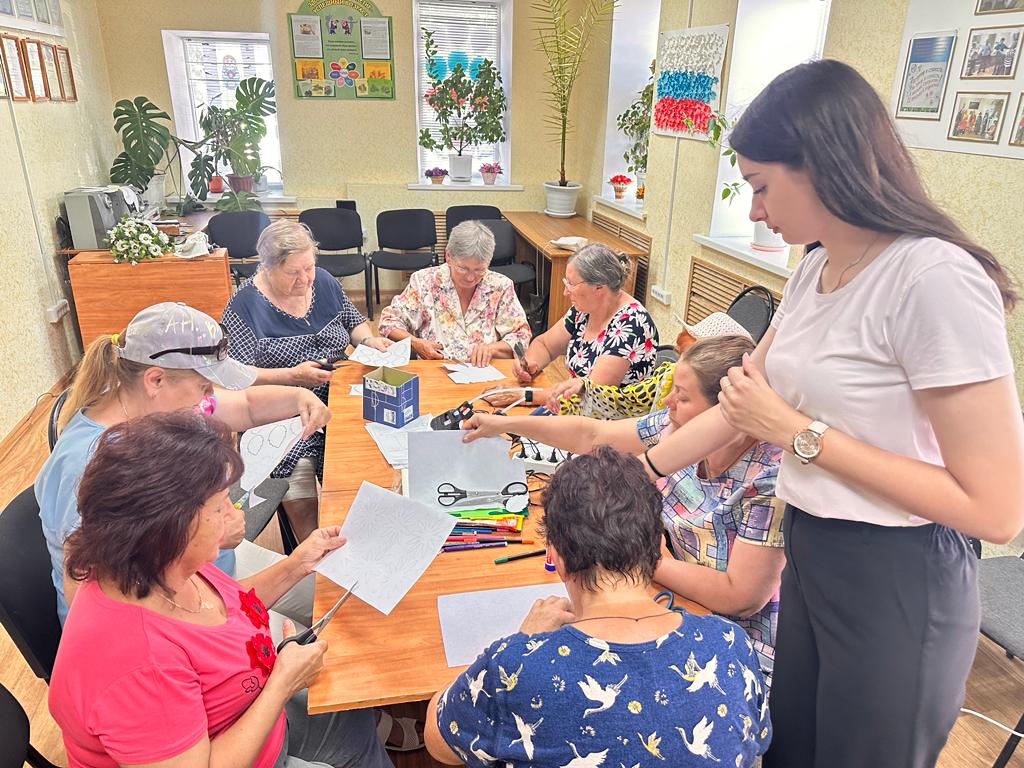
<point>464,373</point>
<point>355,389</point>
<point>442,457</point>
<point>375,37</point>
<point>394,443</point>
<point>395,356</point>
<point>263,447</point>
<point>391,541</point>
<point>494,612</point>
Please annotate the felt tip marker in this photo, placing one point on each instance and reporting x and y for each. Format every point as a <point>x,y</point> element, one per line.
<point>510,558</point>
<point>473,545</point>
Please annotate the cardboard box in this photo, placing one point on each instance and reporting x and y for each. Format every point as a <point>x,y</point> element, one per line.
<point>391,396</point>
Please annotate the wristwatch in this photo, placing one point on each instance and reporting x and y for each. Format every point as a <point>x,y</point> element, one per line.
<point>807,442</point>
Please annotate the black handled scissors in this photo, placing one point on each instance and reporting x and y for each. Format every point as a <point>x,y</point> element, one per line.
<point>308,636</point>
<point>448,495</point>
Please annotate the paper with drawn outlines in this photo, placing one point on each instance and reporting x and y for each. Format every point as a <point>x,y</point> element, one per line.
<point>394,442</point>
<point>264,447</point>
<point>464,373</point>
<point>395,356</point>
<point>391,541</point>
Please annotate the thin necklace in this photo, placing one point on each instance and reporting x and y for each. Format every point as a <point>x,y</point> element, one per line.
<point>852,264</point>
<point>203,605</point>
<point>627,618</point>
<point>123,409</point>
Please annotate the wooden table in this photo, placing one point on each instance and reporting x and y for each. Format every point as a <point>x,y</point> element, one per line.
<point>375,659</point>
<point>536,230</point>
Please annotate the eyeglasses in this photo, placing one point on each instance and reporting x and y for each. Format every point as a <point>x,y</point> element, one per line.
<point>465,271</point>
<point>220,349</point>
<point>569,286</point>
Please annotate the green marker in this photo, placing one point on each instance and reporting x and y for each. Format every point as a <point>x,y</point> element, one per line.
<point>510,558</point>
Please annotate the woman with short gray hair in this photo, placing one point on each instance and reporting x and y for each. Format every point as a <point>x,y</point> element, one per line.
<point>287,322</point>
<point>606,336</point>
<point>459,310</point>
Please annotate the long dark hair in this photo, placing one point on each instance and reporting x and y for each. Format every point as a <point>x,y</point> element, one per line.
<point>824,117</point>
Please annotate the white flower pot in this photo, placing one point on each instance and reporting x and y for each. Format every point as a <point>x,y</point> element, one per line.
<point>460,167</point>
<point>561,201</point>
<point>766,240</point>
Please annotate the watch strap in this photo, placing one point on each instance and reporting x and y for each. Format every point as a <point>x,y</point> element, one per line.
<point>817,427</point>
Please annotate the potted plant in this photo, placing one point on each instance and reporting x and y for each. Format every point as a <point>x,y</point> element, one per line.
<point>564,45</point>
<point>231,137</point>
<point>635,123</point>
<point>619,183</point>
<point>436,175</point>
<point>489,172</point>
<point>469,103</point>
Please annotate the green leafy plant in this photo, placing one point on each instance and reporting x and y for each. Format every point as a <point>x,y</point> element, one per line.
<point>718,127</point>
<point>470,107</point>
<point>231,136</point>
<point>238,201</point>
<point>635,123</point>
<point>564,43</point>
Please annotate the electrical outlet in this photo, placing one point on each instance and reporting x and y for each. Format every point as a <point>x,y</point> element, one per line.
<point>661,294</point>
<point>57,311</point>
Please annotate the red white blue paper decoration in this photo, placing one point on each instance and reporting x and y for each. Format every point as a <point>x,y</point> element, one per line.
<point>689,80</point>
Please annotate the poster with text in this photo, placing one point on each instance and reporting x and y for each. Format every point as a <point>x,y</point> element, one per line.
<point>929,58</point>
<point>306,40</point>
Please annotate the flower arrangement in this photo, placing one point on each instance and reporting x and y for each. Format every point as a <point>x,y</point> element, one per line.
<point>619,183</point>
<point>436,175</point>
<point>494,168</point>
<point>134,240</point>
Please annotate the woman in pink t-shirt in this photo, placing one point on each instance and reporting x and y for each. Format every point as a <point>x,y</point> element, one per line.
<point>164,659</point>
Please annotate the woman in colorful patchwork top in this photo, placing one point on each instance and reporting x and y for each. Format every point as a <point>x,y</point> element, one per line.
<point>460,310</point>
<point>165,660</point>
<point>606,335</point>
<point>286,320</point>
<point>723,522</point>
<point>607,677</point>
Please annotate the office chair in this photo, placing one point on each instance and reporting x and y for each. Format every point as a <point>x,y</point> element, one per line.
<point>336,230</point>
<point>504,259</point>
<point>456,214</point>
<point>14,735</point>
<point>238,231</point>
<point>753,308</point>
<point>405,229</point>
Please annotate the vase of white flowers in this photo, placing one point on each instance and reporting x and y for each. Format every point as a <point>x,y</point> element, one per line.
<point>135,240</point>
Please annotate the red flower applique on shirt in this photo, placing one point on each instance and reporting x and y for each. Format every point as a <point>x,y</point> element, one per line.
<point>254,609</point>
<point>261,652</point>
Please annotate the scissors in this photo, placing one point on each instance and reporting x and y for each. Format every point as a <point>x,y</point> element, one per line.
<point>669,599</point>
<point>308,636</point>
<point>448,495</point>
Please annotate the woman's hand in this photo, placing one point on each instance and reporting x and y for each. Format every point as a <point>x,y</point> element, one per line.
<point>309,374</point>
<point>547,615</point>
<point>297,665</point>
<point>502,399</point>
<point>483,425</point>
<point>566,389</point>
<point>750,405</point>
<point>319,543</point>
<point>428,350</point>
<point>377,342</point>
<point>312,413</point>
<point>525,375</point>
<point>480,355</point>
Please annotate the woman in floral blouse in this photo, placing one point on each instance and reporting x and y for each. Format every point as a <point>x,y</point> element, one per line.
<point>607,335</point>
<point>164,659</point>
<point>459,310</point>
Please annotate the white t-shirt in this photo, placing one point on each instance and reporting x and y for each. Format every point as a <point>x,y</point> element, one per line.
<point>922,314</point>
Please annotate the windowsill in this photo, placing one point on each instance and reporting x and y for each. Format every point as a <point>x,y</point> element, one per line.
<point>632,207</point>
<point>270,198</point>
<point>739,248</point>
<point>475,186</point>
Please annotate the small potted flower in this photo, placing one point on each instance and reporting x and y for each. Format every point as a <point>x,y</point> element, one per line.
<point>490,172</point>
<point>135,240</point>
<point>436,175</point>
<point>619,183</point>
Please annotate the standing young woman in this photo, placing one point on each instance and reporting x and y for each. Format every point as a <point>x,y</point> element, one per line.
<point>887,379</point>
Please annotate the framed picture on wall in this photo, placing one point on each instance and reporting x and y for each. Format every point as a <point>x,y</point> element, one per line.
<point>978,117</point>
<point>925,74</point>
<point>50,70</point>
<point>14,68</point>
<point>998,6</point>
<point>33,52</point>
<point>67,76</point>
<point>1017,126</point>
<point>992,52</point>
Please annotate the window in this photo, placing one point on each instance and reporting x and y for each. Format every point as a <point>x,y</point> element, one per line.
<point>203,68</point>
<point>464,30</point>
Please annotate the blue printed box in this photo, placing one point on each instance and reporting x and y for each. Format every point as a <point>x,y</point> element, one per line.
<point>391,396</point>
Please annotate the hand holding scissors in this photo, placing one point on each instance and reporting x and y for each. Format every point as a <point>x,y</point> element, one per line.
<point>310,635</point>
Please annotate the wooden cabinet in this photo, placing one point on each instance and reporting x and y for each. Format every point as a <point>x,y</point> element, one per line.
<point>109,295</point>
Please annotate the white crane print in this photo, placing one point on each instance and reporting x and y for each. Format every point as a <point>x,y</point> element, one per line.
<point>699,745</point>
<point>699,676</point>
<point>526,733</point>
<point>604,695</point>
<point>591,760</point>
<point>476,686</point>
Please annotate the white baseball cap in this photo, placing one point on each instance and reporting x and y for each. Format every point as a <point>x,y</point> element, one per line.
<point>175,335</point>
<point>717,324</point>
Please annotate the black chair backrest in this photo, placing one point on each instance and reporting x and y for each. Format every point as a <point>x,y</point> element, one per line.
<point>753,308</point>
<point>51,428</point>
<point>238,231</point>
<point>504,241</point>
<point>406,229</point>
<point>335,229</point>
<point>14,732</point>
<point>348,204</point>
<point>456,214</point>
<point>28,601</point>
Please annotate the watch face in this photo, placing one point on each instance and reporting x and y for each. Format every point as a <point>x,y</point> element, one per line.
<point>807,444</point>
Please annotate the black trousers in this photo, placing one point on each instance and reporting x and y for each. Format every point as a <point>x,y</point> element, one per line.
<point>877,633</point>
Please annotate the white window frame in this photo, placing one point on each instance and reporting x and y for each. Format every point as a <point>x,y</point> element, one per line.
<point>186,121</point>
<point>504,63</point>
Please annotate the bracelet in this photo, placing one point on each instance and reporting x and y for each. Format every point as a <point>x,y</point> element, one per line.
<point>654,469</point>
<point>528,396</point>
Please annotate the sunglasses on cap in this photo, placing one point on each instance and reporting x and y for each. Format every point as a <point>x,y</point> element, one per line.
<point>220,349</point>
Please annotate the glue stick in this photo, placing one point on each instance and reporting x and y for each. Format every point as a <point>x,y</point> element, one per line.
<point>549,563</point>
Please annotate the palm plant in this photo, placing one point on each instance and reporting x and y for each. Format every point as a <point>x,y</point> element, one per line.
<point>564,44</point>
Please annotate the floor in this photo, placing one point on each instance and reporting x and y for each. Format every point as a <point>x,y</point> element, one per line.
<point>995,687</point>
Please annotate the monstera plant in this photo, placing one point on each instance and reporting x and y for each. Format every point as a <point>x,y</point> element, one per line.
<point>231,137</point>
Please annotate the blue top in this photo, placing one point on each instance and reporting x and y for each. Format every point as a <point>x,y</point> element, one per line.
<point>564,698</point>
<point>261,334</point>
<point>56,490</point>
